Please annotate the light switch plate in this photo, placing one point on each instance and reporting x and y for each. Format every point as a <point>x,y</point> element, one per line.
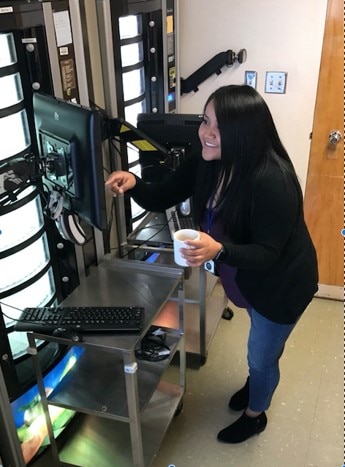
<point>276,82</point>
<point>250,78</point>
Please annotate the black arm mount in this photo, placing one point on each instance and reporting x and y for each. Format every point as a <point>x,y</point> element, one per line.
<point>128,133</point>
<point>19,172</point>
<point>214,65</point>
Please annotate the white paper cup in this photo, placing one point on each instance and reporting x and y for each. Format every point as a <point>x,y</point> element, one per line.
<point>179,242</point>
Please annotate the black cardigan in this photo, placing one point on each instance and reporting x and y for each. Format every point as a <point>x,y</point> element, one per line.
<point>277,268</point>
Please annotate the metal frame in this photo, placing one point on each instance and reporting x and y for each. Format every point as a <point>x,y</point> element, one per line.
<point>131,271</point>
<point>200,301</point>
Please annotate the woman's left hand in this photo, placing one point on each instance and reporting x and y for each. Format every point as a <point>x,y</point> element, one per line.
<point>199,251</point>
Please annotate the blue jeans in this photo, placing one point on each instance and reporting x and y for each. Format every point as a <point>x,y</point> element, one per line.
<point>265,346</point>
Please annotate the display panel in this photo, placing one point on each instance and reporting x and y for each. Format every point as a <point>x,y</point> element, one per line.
<point>28,412</point>
<point>69,140</point>
<point>177,133</point>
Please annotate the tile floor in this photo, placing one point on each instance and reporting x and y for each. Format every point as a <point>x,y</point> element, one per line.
<point>305,421</point>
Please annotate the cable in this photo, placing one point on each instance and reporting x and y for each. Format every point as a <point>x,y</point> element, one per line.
<point>152,346</point>
<point>12,196</point>
<point>10,306</point>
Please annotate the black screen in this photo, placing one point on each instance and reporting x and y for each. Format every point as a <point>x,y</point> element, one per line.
<point>69,139</point>
<point>177,133</point>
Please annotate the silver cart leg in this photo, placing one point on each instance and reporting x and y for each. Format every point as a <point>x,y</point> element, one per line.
<point>182,353</point>
<point>202,307</point>
<point>33,352</point>
<point>130,369</point>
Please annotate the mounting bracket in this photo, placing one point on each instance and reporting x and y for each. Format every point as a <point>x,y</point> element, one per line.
<point>213,65</point>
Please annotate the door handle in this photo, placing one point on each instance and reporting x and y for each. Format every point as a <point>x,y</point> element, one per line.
<point>334,137</point>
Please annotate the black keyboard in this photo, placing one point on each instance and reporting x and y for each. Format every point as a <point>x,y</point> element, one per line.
<point>82,319</point>
<point>177,221</point>
<point>186,222</point>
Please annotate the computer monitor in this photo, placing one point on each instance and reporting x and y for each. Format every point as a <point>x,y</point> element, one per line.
<point>69,138</point>
<point>177,133</point>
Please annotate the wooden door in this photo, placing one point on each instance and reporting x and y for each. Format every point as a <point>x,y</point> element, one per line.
<point>324,195</point>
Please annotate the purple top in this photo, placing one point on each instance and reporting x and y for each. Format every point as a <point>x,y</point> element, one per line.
<point>227,274</point>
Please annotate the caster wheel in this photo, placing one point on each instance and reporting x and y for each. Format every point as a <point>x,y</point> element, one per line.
<point>179,408</point>
<point>203,360</point>
<point>227,313</point>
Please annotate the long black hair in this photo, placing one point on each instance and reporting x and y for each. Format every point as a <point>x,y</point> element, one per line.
<point>249,140</point>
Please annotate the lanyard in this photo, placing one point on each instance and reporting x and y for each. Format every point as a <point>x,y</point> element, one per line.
<point>210,218</point>
<point>210,214</point>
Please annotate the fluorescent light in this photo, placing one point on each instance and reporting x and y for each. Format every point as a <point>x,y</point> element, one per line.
<point>133,84</point>
<point>15,136</point>
<point>131,54</point>
<point>132,111</point>
<point>11,91</point>
<point>129,26</point>
<point>24,264</point>
<point>22,223</point>
<point>8,54</point>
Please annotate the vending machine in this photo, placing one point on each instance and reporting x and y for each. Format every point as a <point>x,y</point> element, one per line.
<point>41,50</point>
<point>139,48</point>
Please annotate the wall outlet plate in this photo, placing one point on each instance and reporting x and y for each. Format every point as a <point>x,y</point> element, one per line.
<point>275,82</point>
<point>250,78</point>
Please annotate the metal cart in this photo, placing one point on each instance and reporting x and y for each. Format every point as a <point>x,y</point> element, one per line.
<point>128,404</point>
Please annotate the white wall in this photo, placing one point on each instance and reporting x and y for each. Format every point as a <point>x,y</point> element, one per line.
<point>279,35</point>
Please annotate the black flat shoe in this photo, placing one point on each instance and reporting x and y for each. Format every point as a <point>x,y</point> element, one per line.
<point>244,428</point>
<point>239,401</point>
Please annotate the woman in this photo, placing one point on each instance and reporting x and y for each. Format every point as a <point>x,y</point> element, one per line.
<point>248,202</point>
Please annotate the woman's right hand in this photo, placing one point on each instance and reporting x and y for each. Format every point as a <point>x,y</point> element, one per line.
<point>119,182</point>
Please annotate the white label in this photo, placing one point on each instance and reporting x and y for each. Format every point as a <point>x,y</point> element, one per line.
<point>29,40</point>
<point>63,50</point>
<point>62,28</point>
<point>6,9</point>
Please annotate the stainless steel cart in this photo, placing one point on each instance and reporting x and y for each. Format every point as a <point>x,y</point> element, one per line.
<point>129,403</point>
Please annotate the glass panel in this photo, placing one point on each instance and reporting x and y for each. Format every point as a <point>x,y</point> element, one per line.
<point>132,153</point>
<point>24,264</point>
<point>37,294</point>
<point>131,54</point>
<point>133,84</point>
<point>8,54</point>
<point>27,220</point>
<point>17,139</point>
<point>136,210</point>
<point>11,91</point>
<point>129,26</point>
<point>132,111</point>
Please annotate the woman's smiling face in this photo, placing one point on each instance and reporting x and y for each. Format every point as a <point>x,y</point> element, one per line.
<point>209,134</point>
